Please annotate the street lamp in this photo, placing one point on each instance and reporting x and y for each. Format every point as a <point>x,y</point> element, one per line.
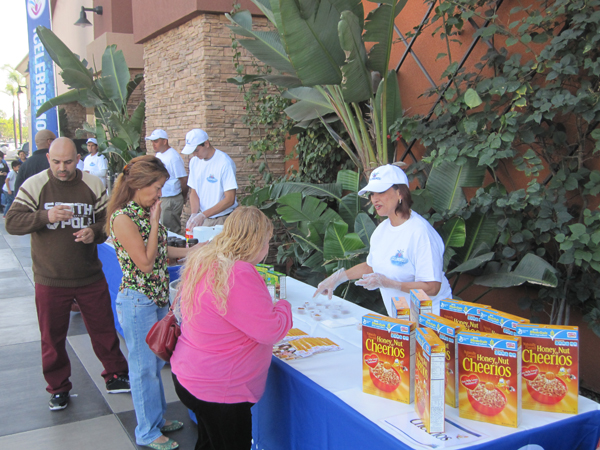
<point>20,91</point>
<point>83,21</point>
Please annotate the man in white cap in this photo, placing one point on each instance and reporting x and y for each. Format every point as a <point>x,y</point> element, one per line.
<point>212,181</point>
<point>95,163</point>
<point>174,192</point>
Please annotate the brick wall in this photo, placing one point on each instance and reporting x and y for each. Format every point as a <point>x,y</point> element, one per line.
<point>185,73</point>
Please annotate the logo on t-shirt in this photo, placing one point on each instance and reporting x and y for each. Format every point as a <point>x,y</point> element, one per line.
<point>211,179</point>
<point>92,164</point>
<point>398,259</point>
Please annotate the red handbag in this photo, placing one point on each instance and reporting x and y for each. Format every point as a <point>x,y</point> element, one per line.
<point>163,336</point>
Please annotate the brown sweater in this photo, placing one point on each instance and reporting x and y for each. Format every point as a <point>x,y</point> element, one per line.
<point>58,260</point>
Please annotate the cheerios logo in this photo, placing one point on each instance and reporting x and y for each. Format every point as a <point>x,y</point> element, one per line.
<point>35,8</point>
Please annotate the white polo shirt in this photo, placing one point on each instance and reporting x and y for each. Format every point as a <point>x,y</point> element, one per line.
<point>96,165</point>
<point>176,168</point>
<point>211,179</point>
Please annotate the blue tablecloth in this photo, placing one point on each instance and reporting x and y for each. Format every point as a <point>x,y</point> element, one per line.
<point>113,274</point>
<point>295,413</point>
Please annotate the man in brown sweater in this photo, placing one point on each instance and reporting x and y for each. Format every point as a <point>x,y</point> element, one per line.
<point>64,210</point>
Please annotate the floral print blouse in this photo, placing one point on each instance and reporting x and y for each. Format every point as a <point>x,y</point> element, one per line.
<point>154,285</point>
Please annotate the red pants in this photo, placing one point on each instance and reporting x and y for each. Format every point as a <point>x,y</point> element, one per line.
<point>54,308</point>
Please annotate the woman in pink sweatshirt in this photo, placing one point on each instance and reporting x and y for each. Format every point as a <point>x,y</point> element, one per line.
<point>229,326</point>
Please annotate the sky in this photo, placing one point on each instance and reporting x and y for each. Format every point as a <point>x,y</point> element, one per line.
<point>13,44</point>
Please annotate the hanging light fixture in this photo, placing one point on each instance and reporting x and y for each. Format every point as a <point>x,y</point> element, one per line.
<point>83,21</point>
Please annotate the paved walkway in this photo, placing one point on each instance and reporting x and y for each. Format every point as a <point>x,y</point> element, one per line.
<point>93,420</point>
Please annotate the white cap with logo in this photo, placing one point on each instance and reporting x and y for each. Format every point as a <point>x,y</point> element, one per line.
<point>193,139</point>
<point>92,140</point>
<point>157,134</point>
<point>383,178</point>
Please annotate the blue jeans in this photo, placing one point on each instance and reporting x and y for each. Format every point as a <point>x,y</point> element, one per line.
<point>136,314</point>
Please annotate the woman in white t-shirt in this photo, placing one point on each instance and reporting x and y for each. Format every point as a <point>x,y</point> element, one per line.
<point>406,252</point>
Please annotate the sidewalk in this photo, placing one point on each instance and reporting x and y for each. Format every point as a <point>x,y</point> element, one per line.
<point>93,420</point>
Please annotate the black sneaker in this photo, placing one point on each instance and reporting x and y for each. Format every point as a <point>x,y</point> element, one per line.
<point>59,401</point>
<point>119,384</point>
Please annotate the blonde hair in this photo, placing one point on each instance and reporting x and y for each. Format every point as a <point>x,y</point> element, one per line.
<point>244,234</point>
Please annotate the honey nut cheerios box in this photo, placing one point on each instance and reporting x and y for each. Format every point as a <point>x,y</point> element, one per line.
<point>550,367</point>
<point>447,331</point>
<point>490,378</point>
<point>400,308</point>
<point>430,379</point>
<point>388,365</point>
<point>465,314</point>
<point>420,303</point>
<point>498,322</point>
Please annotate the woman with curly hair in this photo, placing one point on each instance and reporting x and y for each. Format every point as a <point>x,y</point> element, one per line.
<point>229,326</point>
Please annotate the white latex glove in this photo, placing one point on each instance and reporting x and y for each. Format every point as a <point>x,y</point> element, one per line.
<point>328,285</point>
<point>372,281</point>
<point>195,220</point>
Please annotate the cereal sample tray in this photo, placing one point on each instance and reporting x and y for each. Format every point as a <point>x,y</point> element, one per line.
<point>490,378</point>
<point>550,367</point>
<point>498,322</point>
<point>447,331</point>
<point>429,379</point>
<point>299,344</point>
<point>388,357</point>
<point>465,314</point>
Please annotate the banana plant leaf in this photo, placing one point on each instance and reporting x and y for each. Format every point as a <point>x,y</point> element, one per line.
<point>349,180</point>
<point>137,118</point>
<point>422,201</point>
<point>311,43</point>
<point>388,103</point>
<point>264,45</point>
<point>75,95</point>
<point>326,190</point>
<point>349,207</point>
<point>308,209</point>
<point>339,243</point>
<point>356,81</point>
<point>61,54</point>
<point>115,77</point>
<point>531,269</point>
<point>473,263</point>
<point>76,79</point>
<point>481,235</point>
<point>446,181</point>
<point>134,83</point>
<point>311,104</point>
<point>453,232</point>
<point>364,227</point>
<point>379,28</point>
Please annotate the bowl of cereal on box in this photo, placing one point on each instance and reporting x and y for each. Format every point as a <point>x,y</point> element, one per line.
<point>385,377</point>
<point>547,388</point>
<point>487,399</point>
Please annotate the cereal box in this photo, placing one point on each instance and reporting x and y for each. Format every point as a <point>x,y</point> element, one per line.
<point>498,322</point>
<point>400,308</point>
<point>429,379</point>
<point>278,281</point>
<point>447,331</point>
<point>490,378</point>
<point>420,303</point>
<point>388,357</point>
<point>550,367</point>
<point>463,313</point>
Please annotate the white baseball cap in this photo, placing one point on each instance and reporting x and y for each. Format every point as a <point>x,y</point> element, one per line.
<point>193,139</point>
<point>383,178</point>
<point>157,134</point>
<point>92,140</point>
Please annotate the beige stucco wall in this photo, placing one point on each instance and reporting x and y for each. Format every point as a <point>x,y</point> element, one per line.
<point>185,73</point>
<point>64,15</point>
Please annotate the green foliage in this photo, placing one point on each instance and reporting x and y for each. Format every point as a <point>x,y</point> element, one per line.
<point>533,104</point>
<point>327,70</point>
<point>118,132</point>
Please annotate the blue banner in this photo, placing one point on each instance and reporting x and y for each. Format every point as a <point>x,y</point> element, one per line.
<point>41,69</point>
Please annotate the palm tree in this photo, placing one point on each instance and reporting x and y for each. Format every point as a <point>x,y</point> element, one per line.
<point>17,80</point>
<point>12,91</point>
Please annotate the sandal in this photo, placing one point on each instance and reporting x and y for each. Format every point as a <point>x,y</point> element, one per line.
<point>173,426</point>
<point>169,445</point>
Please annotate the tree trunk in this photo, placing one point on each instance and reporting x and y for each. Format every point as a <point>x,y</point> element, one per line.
<point>14,123</point>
